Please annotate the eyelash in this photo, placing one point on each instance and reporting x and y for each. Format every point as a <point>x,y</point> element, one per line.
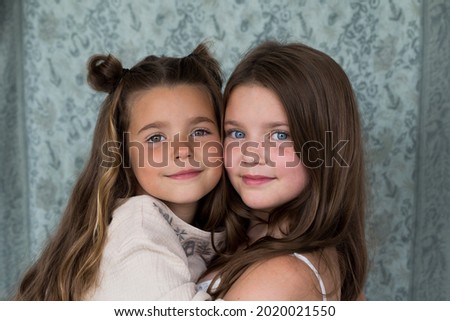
<point>204,132</point>
<point>149,140</point>
<point>279,132</point>
<point>230,132</point>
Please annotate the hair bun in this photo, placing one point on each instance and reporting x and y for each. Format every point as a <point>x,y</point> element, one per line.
<point>104,72</point>
<point>202,54</point>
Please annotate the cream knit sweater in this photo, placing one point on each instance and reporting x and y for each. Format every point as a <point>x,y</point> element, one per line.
<point>151,254</point>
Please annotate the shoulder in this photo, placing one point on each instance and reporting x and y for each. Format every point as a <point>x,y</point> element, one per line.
<point>281,278</point>
<point>139,204</point>
<point>139,220</point>
<point>143,210</point>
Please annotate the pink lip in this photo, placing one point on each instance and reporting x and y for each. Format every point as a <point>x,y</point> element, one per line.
<point>185,174</point>
<point>256,179</point>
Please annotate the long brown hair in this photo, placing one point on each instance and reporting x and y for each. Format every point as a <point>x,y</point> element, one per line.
<point>319,102</point>
<point>69,265</point>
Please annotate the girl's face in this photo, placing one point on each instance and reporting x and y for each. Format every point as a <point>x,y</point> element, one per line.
<point>174,146</point>
<point>259,153</point>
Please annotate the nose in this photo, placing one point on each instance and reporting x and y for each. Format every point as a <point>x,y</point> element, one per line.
<point>183,151</point>
<point>252,154</point>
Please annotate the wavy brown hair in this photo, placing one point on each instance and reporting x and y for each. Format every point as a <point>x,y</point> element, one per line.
<point>318,99</point>
<point>68,266</point>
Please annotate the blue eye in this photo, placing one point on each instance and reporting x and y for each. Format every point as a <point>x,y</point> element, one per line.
<point>200,132</point>
<point>279,136</point>
<point>236,134</point>
<point>156,138</point>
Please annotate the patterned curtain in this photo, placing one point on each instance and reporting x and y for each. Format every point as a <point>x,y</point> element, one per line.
<point>430,262</point>
<point>396,53</point>
<point>14,210</point>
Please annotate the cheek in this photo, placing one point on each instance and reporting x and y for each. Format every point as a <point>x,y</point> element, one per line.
<point>211,153</point>
<point>290,165</point>
<point>146,176</point>
<point>285,157</point>
<point>292,156</point>
<point>215,175</point>
<point>146,161</point>
<point>298,177</point>
<point>231,162</point>
<point>229,171</point>
<point>232,173</point>
<point>156,157</point>
<point>136,157</point>
<point>231,155</point>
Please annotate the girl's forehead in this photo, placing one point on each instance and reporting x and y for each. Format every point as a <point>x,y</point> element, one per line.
<point>255,103</point>
<point>170,105</point>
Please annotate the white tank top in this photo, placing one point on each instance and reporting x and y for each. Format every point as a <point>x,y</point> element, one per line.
<point>312,267</point>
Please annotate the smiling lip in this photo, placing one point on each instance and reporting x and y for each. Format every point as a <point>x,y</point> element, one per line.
<point>185,174</point>
<point>254,180</point>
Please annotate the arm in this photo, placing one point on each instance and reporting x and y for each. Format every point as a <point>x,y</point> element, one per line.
<point>143,272</point>
<point>143,258</point>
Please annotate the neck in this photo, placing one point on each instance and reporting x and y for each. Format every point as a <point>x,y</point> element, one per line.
<point>184,211</point>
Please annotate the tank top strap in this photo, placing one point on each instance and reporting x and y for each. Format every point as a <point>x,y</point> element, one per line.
<point>313,268</point>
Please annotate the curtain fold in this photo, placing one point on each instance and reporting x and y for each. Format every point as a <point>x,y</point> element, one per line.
<point>13,150</point>
<point>431,259</point>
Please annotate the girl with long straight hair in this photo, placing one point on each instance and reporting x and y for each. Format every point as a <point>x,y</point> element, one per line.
<point>293,154</point>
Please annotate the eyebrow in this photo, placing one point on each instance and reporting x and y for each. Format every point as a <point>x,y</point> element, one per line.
<point>268,125</point>
<point>157,124</point>
<point>231,122</point>
<point>192,121</point>
<point>201,119</point>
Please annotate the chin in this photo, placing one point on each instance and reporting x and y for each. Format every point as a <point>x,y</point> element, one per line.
<point>259,205</point>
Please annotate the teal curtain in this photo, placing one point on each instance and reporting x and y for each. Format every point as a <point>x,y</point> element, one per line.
<point>430,264</point>
<point>396,53</point>
<point>14,210</point>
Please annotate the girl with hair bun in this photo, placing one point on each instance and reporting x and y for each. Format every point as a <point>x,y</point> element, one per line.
<point>138,224</point>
